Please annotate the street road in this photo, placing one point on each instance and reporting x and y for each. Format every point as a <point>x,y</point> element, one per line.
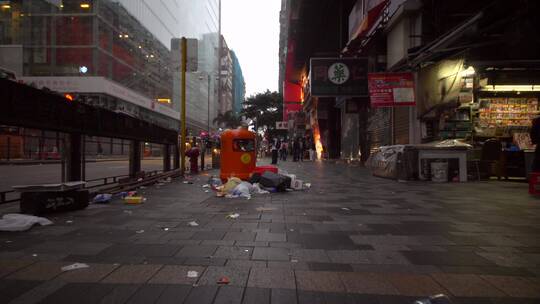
<point>11,175</point>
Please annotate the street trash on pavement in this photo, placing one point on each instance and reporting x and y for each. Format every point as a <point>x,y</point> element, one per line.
<point>187,182</point>
<point>74,266</point>
<point>102,198</point>
<point>139,231</point>
<point>223,281</point>
<point>21,222</point>
<point>192,274</point>
<point>233,215</point>
<point>436,299</point>
<point>193,224</point>
<point>134,200</point>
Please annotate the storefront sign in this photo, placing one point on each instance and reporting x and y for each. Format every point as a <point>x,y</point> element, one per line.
<point>282,125</point>
<point>391,89</point>
<point>333,77</point>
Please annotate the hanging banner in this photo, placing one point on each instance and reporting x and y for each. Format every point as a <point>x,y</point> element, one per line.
<point>391,89</point>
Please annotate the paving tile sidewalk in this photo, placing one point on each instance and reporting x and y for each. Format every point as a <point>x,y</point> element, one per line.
<point>351,238</point>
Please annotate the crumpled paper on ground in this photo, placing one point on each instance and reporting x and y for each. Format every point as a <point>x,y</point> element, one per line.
<point>21,222</point>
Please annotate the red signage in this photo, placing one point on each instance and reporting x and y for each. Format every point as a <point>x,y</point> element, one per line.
<point>391,89</point>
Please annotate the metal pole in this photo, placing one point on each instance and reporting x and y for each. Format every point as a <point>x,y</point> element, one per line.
<point>208,105</point>
<point>183,110</point>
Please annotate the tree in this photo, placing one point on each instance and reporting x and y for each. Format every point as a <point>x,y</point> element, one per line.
<point>265,109</point>
<point>228,119</point>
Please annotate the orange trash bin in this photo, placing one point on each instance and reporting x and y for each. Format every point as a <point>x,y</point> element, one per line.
<point>238,153</point>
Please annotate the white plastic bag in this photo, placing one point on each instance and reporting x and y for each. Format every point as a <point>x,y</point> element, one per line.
<point>21,222</point>
<point>242,190</point>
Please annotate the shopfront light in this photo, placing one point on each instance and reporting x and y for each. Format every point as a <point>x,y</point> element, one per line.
<point>512,88</point>
<point>6,6</point>
<point>69,97</point>
<point>85,5</point>
<point>164,100</point>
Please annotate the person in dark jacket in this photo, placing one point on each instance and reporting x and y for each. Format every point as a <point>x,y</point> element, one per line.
<point>296,149</point>
<point>275,147</point>
<point>535,139</point>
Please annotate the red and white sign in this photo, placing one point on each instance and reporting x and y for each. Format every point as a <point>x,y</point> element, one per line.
<point>391,89</point>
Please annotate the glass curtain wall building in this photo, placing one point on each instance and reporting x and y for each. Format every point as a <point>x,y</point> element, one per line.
<point>239,85</point>
<point>122,47</point>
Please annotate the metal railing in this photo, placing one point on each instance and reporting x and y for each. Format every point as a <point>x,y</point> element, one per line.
<point>12,196</point>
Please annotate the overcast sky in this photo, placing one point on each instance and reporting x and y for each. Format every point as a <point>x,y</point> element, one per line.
<point>251,29</point>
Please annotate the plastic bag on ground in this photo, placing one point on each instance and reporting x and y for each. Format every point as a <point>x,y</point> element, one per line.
<point>102,198</point>
<point>242,190</point>
<point>231,183</point>
<point>258,190</point>
<point>21,222</point>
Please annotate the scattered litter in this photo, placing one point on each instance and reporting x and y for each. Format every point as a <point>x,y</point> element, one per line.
<point>246,250</point>
<point>206,186</point>
<point>206,191</point>
<point>346,209</point>
<point>223,281</point>
<point>165,229</point>
<point>233,215</point>
<point>436,299</point>
<point>134,200</point>
<point>139,179</point>
<point>102,198</point>
<point>7,242</point>
<point>21,222</point>
<point>187,182</point>
<point>69,222</point>
<point>192,274</point>
<point>74,266</point>
<point>214,182</point>
<point>128,211</point>
<point>307,185</point>
<point>193,224</point>
<point>139,231</point>
<point>294,261</point>
<point>34,255</point>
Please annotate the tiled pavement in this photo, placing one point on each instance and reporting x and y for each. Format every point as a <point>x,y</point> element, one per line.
<point>352,238</point>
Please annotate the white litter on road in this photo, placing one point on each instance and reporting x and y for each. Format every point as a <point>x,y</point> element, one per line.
<point>139,231</point>
<point>193,224</point>
<point>233,216</point>
<point>21,222</point>
<point>192,274</point>
<point>74,266</point>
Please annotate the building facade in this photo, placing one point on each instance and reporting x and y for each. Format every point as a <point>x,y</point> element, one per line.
<point>462,56</point>
<point>239,85</point>
<point>226,75</point>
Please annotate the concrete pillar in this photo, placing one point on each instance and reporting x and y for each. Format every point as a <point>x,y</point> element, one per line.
<point>74,157</point>
<point>166,158</point>
<point>134,158</point>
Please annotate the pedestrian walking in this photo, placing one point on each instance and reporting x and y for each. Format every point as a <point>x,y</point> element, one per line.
<point>275,147</point>
<point>312,149</point>
<point>283,151</point>
<point>535,139</point>
<point>193,154</point>
<point>302,148</point>
<point>296,149</point>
